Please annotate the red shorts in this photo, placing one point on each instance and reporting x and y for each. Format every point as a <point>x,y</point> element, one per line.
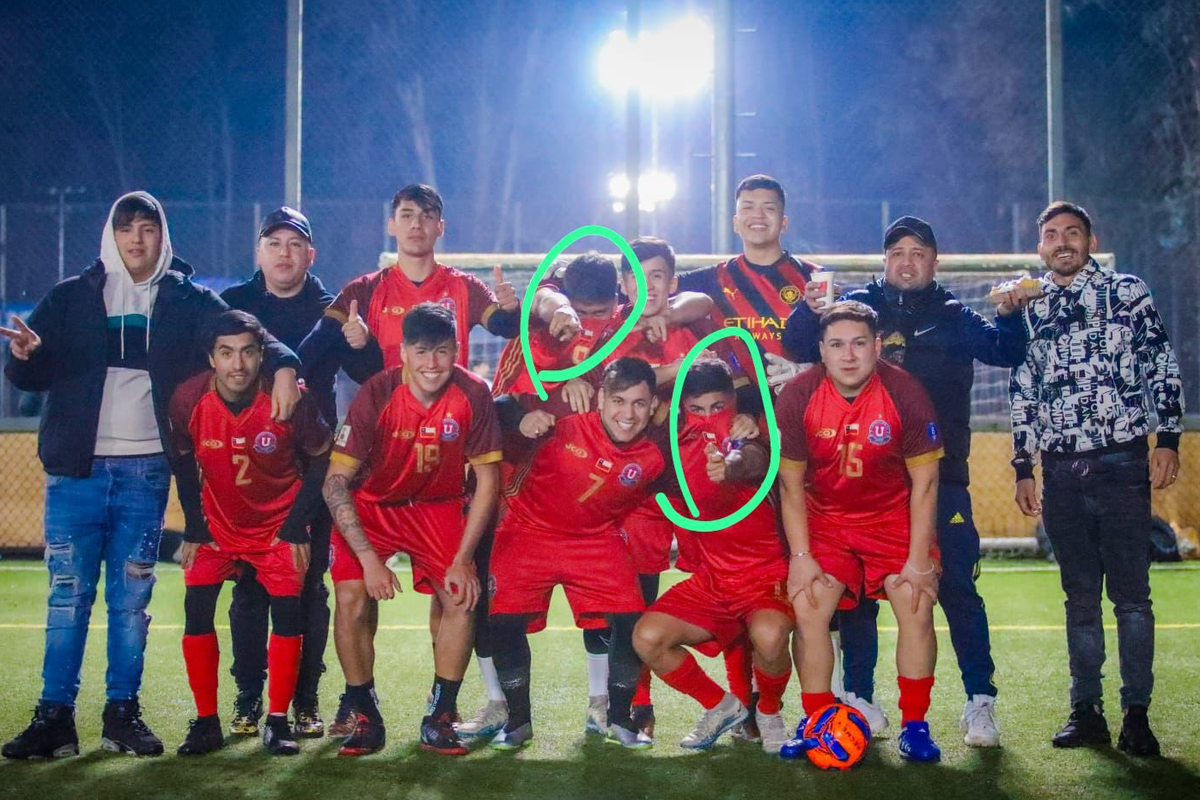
<point>274,568</point>
<point>648,534</point>
<point>595,571</point>
<point>688,557</point>
<point>861,559</point>
<point>430,533</point>
<point>723,608</point>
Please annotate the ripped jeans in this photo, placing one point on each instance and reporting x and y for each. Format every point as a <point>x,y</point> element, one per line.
<point>113,517</point>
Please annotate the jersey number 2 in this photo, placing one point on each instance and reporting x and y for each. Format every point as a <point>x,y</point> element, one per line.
<point>242,462</point>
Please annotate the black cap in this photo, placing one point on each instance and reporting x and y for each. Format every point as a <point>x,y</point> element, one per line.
<point>286,217</point>
<point>909,226</point>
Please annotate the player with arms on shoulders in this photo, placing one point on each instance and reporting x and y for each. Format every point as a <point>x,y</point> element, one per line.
<point>858,491</point>
<point>249,487</point>
<point>397,483</point>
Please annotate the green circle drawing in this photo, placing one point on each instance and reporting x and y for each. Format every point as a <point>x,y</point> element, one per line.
<point>597,357</point>
<point>700,525</point>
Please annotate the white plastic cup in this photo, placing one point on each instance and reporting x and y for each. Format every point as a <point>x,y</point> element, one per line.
<point>825,277</point>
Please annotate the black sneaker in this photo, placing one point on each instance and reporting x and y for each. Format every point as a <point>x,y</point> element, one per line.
<point>643,718</point>
<point>438,735</point>
<point>247,711</point>
<point>343,721</point>
<point>368,737</point>
<point>278,737</point>
<point>1136,738</point>
<point>203,736</point>
<point>51,734</point>
<point>125,732</point>
<point>1085,726</point>
<point>309,724</point>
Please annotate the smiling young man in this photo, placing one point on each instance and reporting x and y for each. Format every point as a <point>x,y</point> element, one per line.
<point>397,483</point>
<point>252,484</point>
<point>858,481</point>
<point>1099,358</point>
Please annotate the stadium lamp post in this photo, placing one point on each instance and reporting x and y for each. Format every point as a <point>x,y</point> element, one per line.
<point>654,188</point>
<point>673,62</point>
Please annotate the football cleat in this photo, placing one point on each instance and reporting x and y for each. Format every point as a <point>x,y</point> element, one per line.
<point>916,744</point>
<point>1085,726</point>
<point>438,736</point>
<point>343,720</point>
<point>643,719</point>
<point>747,731</point>
<point>798,744</point>
<point>247,711</point>
<point>309,724</point>
<point>714,722</point>
<point>125,732</point>
<point>278,737</point>
<point>596,720</point>
<point>871,712</point>
<point>630,740</point>
<point>979,722</point>
<point>50,734</point>
<point>203,736</point>
<point>486,722</point>
<point>514,739</point>
<point>772,731</point>
<point>1136,738</point>
<point>368,737</point>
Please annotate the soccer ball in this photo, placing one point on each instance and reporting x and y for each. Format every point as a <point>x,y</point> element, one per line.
<point>838,735</point>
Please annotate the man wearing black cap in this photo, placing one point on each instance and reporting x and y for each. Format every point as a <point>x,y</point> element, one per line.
<point>937,339</point>
<point>289,301</point>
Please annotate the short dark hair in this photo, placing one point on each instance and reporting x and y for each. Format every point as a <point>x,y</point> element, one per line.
<point>232,323</point>
<point>646,248</point>
<point>709,375</point>
<point>761,182</point>
<point>428,324</point>
<point>590,278</point>
<point>424,196</point>
<point>626,372</point>
<point>135,207</point>
<point>850,310</point>
<point>1059,207</point>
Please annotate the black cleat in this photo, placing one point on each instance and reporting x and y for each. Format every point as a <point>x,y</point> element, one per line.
<point>247,711</point>
<point>343,721</point>
<point>1085,726</point>
<point>368,737</point>
<point>203,736</point>
<point>309,724</point>
<point>643,718</point>
<point>51,734</point>
<point>278,737</point>
<point>125,732</point>
<point>1136,738</point>
<point>438,735</point>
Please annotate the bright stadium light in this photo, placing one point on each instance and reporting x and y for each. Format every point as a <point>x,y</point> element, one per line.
<point>675,61</point>
<point>654,188</point>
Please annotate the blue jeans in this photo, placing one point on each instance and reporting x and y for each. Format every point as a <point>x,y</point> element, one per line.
<point>112,517</point>
<point>958,541</point>
<point>1097,515</point>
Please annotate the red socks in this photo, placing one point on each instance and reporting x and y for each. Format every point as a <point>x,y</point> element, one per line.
<point>770,690</point>
<point>738,666</point>
<point>914,698</point>
<point>201,656</point>
<point>690,679</point>
<point>641,697</point>
<point>283,665</point>
<point>812,701</point>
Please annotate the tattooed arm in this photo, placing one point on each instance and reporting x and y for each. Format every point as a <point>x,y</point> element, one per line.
<point>381,582</point>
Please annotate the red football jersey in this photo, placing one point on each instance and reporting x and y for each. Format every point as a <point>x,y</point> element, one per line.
<point>548,353</point>
<point>249,463</point>
<point>856,454</point>
<point>410,452</point>
<point>386,295</point>
<point>579,481</point>
<point>746,547</point>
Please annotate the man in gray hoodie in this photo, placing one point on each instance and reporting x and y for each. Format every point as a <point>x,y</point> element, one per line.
<point>109,347</point>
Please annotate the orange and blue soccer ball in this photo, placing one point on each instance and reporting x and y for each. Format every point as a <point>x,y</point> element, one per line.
<point>837,736</point>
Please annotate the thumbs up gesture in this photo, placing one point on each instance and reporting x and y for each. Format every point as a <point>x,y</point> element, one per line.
<point>355,330</point>
<point>506,295</point>
<point>22,341</point>
<point>722,468</point>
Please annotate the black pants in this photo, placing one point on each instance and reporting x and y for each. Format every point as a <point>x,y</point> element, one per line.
<point>248,621</point>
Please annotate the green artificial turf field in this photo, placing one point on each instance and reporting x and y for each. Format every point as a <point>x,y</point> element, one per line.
<point>1024,604</point>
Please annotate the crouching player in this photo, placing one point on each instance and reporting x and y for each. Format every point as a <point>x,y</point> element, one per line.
<point>411,432</point>
<point>740,584</point>
<point>858,491</point>
<point>249,487</point>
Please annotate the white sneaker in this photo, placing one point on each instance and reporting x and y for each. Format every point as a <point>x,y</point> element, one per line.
<point>979,722</point>
<point>714,722</point>
<point>486,722</point>
<point>772,730</point>
<point>596,720</point>
<point>874,714</point>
